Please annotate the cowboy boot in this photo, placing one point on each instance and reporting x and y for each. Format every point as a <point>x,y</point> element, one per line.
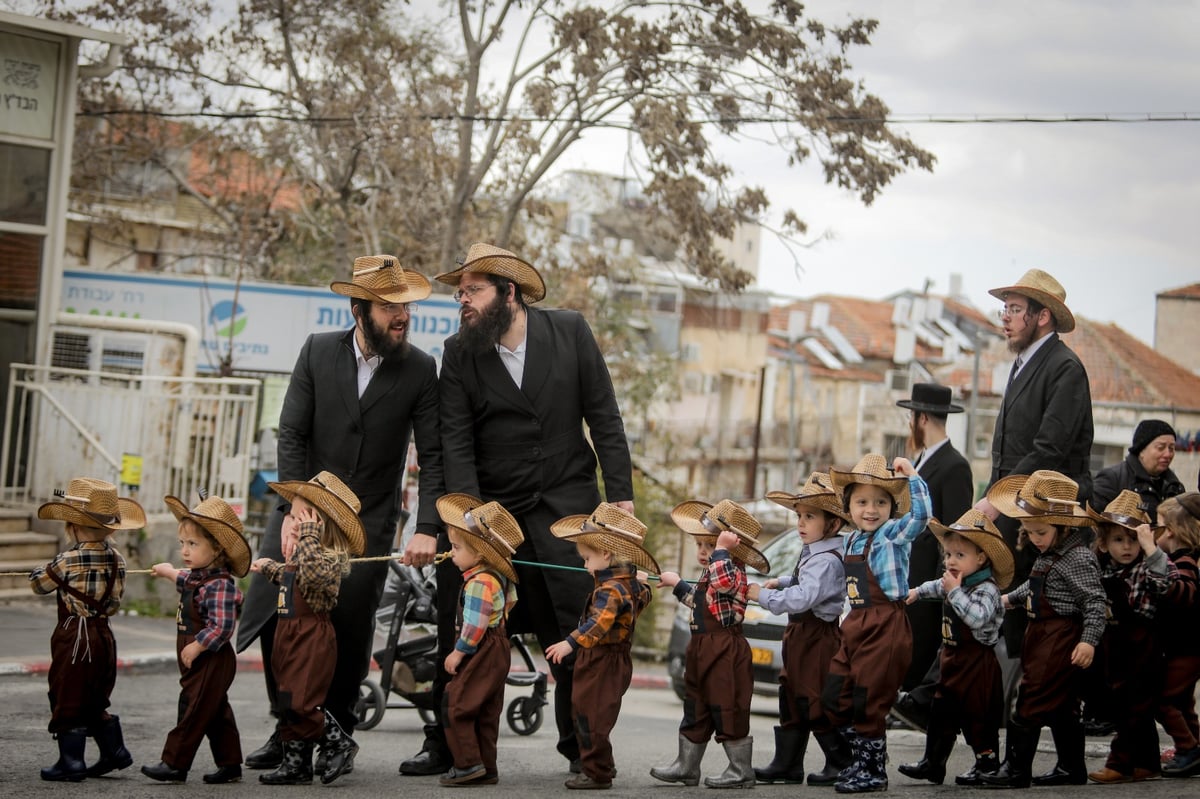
<point>838,756</point>
<point>872,772</point>
<point>740,771</point>
<point>1020,746</point>
<point>70,766</point>
<point>932,766</point>
<point>339,750</point>
<point>111,742</point>
<point>985,763</point>
<point>1070,768</point>
<point>686,768</point>
<point>295,768</point>
<point>788,764</point>
<point>269,755</point>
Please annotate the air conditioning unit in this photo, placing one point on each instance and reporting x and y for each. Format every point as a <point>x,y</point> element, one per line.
<point>899,380</point>
<point>115,351</point>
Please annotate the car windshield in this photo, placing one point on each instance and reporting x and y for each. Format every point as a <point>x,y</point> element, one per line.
<point>782,551</point>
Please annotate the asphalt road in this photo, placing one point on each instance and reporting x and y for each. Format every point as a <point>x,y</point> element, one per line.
<point>529,766</point>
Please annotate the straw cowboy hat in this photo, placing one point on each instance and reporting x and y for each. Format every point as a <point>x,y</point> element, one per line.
<point>219,521</point>
<point>488,259</point>
<point>94,503</point>
<point>1044,496</point>
<point>1126,510</point>
<point>381,278</point>
<point>608,529</point>
<point>708,521</point>
<point>930,398</point>
<point>817,492</point>
<point>873,470</point>
<point>977,528</point>
<point>331,496</point>
<point>493,532</point>
<point>1043,288</point>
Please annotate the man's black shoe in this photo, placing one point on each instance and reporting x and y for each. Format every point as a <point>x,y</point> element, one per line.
<point>224,774</point>
<point>269,755</point>
<point>427,762</point>
<point>911,712</point>
<point>163,773</point>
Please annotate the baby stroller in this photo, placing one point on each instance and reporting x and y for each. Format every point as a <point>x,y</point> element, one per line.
<point>408,661</point>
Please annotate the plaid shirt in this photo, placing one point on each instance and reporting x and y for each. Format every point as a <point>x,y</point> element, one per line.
<point>319,574</point>
<point>84,567</point>
<point>892,543</point>
<point>977,602</point>
<point>219,601</point>
<point>1143,582</point>
<point>1072,584</point>
<point>486,601</point>
<point>612,609</point>
<point>725,596</point>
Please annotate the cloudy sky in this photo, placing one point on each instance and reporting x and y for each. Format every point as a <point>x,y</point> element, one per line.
<point>1111,210</point>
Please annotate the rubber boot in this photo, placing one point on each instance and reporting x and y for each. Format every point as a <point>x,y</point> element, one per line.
<point>837,757</point>
<point>932,766</point>
<point>339,750</point>
<point>296,767</point>
<point>1068,745</point>
<point>111,743</point>
<point>986,763</point>
<point>1020,746</point>
<point>686,768</point>
<point>788,764</point>
<point>854,740</point>
<point>872,772</point>
<point>70,766</point>
<point>269,755</point>
<point>740,771</point>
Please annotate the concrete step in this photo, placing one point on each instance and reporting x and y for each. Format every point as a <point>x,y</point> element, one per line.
<point>26,545</point>
<point>19,582</point>
<point>14,521</point>
<point>18,594</point>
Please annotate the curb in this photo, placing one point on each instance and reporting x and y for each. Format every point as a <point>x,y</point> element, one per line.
<point>160,660</point>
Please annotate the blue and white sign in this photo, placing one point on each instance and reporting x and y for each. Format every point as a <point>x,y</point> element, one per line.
<point>265,324</point>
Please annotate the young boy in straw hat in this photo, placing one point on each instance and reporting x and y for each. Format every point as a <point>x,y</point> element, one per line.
<point>213,550</point>
<point>89,579</point>
<point>483,537</point>
<point>610,542</point>
<point>1065,603</point>
<point>1135,574</point>
<point>320,533</point>
<point>718,676</point>
<point>969,695</point>
<point>812,597</point>
<point>1178,617</point>
<point>888,512</point>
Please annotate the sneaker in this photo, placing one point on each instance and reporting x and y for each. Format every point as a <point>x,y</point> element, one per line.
<point>582,782</point>
<point>1184,764</point>
<point>462,776</point>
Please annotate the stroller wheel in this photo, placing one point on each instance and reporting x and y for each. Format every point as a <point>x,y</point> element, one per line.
<point>524,715</point>
<point>427,715</point>
<point>372,701</point>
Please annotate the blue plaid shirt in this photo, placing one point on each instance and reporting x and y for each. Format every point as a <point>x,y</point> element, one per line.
<point>892,545</point>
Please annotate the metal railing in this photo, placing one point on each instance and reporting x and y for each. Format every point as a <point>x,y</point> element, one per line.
<point>151,435</point>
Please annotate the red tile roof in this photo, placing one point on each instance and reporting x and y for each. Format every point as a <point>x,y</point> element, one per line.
<point>1191,292</point>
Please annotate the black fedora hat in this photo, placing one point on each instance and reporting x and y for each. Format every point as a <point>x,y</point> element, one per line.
<point>930,398</point>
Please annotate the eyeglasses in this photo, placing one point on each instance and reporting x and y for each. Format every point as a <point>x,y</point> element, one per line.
<point>396,308</point>
<point>1009,311</point>
<point>470,291</point>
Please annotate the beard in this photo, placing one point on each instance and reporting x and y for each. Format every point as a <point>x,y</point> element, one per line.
<point>916,436</point>
<point>380,342</point>
<point>488,324</point>
<point>1023,339</point>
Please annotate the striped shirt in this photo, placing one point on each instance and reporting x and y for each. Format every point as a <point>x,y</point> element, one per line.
<point>818,584</point>
<point>1143,582</point>
<point>977,602</point>
<point>319,572</point>
<point>83,567</point>
<point>1072,585</point>
<point>486,601</point>
<point>612,609</point>
<point>892,543</point>
<point>218,599</point>
<point>725,596</point>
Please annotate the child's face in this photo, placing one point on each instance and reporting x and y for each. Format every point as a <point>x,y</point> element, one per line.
<point>870,507</point>
<point>1166,539</point>
<point>594,560</point>
<point>1121,545</point>
<point>195,548</point>
<point>1041,535</point>
<point>962,557</point>
<point>813,524</point>
<point>461,553</point>
<point>704,550</point>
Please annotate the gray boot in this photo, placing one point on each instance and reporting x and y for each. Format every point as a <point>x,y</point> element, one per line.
<point>740,771</point>
<point>686,768</point>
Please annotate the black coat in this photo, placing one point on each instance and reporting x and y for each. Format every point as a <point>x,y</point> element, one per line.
<point>1130,474</point>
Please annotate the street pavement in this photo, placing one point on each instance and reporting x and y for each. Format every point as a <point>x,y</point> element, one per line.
<point>147,689</point>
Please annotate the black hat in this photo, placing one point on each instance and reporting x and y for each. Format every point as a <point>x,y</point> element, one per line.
<point>1148,430</point>
<point>930,398</point>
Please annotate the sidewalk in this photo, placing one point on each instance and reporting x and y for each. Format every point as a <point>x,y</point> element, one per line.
<point>145,642</point>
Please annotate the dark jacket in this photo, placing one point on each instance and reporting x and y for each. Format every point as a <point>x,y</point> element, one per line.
<point>1130,474</point>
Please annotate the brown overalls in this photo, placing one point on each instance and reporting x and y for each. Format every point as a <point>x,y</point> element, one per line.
<point>302,661</point>
<point>809,645</point>
<point>874,656</point>
<point>970,694</point>
<point>1133,665</point>
<point>83,660</point>
<point>1049,683</point>
<point>718,677</point>
<point>203,694</point>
